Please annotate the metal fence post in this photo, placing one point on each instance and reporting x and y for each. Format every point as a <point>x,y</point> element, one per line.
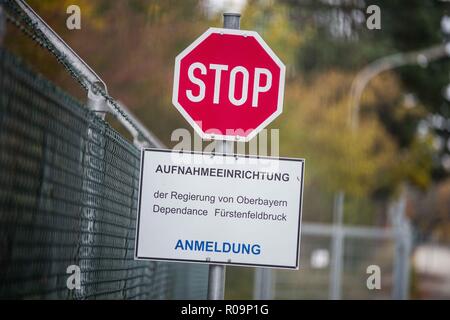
<point>407,247</point>
<point>337,256</point>
<point>263,285</point>
<point>403,246</point>
<point>97,103</point>
<point>94,148</point>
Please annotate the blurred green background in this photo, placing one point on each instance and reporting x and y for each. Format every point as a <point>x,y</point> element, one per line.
<point>402,138</point>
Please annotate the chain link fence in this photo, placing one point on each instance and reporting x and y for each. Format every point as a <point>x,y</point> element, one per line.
<point>68,196</point>
<point>317,279</point>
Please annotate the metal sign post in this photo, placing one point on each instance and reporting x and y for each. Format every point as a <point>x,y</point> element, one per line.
<point>216,276</point>
<point>204,90</point>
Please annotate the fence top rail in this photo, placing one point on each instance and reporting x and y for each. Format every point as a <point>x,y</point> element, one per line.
<point>61,45</point>
<point>43,34</point>
<point>319,229</point>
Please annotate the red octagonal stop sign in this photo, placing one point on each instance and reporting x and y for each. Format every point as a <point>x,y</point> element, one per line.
<point>228,84</point>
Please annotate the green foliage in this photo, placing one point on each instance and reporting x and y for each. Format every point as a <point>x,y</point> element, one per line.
<point>318,128</point>
<point>349,46</point>
<point>272,22</point>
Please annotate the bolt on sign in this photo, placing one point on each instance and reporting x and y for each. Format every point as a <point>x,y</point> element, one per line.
<point>228,84</point>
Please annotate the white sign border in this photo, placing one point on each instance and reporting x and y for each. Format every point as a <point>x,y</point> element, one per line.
<point>141,173</point>
<point>192,46</point>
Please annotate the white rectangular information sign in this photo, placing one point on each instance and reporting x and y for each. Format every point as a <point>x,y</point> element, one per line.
<point>222,209</point>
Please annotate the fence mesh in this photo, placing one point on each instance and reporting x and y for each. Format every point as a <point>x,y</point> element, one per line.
<point>315,280</point>
<point>68,196</point>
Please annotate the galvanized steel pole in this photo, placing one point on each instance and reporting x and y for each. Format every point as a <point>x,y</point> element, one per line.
<point>231,20</point>
<point>216,276</point>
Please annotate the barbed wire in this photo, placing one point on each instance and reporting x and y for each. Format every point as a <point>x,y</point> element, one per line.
<point>18,18</point>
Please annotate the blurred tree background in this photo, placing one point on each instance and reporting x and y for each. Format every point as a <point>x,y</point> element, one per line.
<point>403,132</point>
